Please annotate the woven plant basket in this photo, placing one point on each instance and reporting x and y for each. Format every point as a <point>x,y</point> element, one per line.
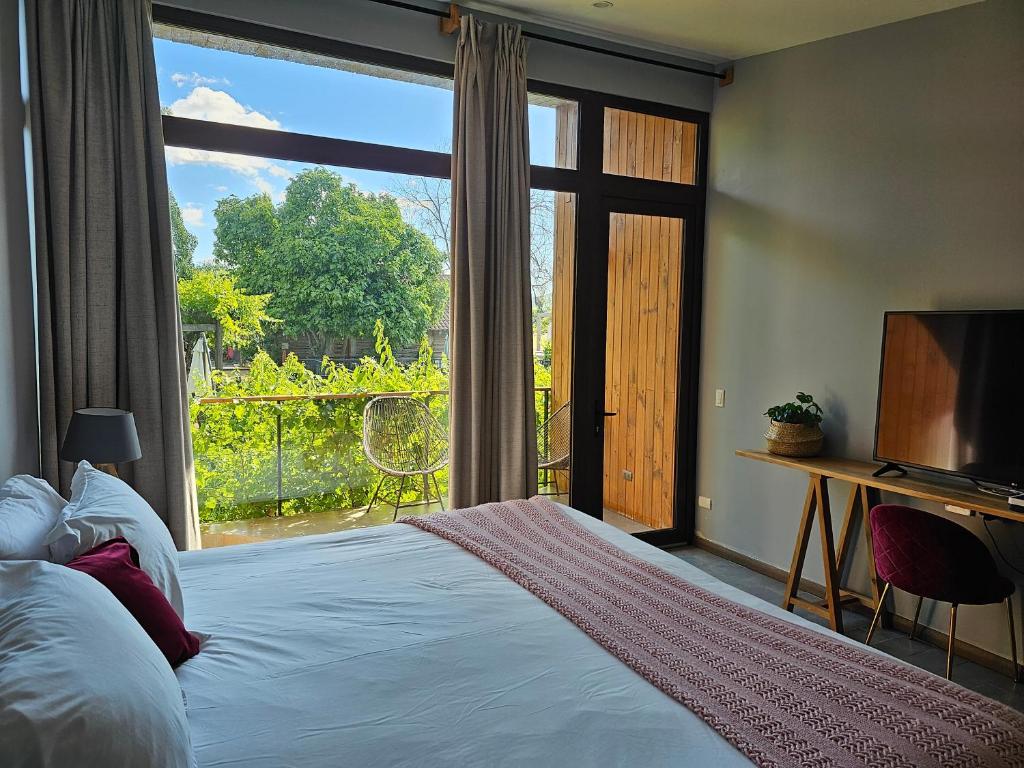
<point>794,440</point>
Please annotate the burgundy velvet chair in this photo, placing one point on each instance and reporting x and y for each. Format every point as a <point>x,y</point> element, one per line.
<point>930,556</point>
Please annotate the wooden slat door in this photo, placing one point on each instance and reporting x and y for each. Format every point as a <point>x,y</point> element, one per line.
<point>641,366</point>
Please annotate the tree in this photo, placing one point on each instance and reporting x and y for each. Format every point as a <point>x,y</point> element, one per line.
<point>183,242</point>
<point>428,204</point>
<point>336,260</point>
<point>211,295</point>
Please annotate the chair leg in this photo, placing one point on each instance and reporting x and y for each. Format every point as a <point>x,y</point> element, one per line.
<point>398,498</point>
<point>375,492</point>
<point>878,613</point>
<point>437,487</point>
<point>1013,639</point>
<point>917,615</point>
<point>952,641</point>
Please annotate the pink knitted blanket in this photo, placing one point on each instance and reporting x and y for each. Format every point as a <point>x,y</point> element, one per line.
<point>781,694</point>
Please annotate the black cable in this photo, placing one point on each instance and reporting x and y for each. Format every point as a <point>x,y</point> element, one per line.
<point>568,43</point>
<point>1002,491</point>
<point>995,545</point>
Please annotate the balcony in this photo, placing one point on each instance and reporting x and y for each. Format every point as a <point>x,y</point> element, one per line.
<point>281,465</point>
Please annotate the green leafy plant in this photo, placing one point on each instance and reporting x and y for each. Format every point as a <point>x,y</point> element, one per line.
<point>210,294</point>
<point>334,260</point>
<point>803,411</point>
<point>323,467</point>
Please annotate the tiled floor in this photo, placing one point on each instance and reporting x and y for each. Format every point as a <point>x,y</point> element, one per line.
<point>986,681</point>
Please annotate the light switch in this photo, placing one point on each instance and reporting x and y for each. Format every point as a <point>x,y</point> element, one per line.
<point>719,398</point>
<point>704,502</point>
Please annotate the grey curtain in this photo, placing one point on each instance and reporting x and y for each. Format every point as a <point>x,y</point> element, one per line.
<point>109,330</point>
<point>493,427</point>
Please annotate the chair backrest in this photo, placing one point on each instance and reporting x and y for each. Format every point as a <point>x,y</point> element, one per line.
<point>933,557</point>
<point>554,438</point>
<point>401,436</point>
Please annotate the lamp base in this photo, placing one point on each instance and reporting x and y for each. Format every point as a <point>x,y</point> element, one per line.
<point>110,469</point>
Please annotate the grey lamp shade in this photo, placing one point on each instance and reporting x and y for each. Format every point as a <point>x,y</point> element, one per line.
<point>101,436</point>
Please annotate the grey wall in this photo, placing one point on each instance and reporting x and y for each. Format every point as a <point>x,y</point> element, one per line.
<point>19,446</point>
<point>367,23</point>
<point>877,170</point>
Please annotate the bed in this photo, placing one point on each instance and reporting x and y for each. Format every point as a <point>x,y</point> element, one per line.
<point>392,646</point>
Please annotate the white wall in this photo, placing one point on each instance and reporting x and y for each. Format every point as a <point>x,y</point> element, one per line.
<point>877,170</point>
<point>19,444</point>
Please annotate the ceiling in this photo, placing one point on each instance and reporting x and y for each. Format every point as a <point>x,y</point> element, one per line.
<point>714,30</point>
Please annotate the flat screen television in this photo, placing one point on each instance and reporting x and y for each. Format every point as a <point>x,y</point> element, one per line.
<point>951,394</point>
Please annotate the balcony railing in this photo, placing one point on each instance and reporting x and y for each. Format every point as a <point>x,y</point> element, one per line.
<point>275,455</point>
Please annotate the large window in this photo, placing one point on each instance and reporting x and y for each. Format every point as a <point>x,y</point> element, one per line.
<point>240,82</point>
<point>310,210</point>
<point>313,274</point>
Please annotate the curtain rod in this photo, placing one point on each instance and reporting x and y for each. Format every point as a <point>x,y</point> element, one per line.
<point>451,16</point>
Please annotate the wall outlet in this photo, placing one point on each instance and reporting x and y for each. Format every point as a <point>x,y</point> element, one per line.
<point>704,502</point>
<point>719,398</point>
<point>959,510</point>
<point>627,474</point>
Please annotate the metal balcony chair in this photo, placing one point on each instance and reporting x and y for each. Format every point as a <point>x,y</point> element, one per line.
<point>402,439</point>
<point>554,440</point>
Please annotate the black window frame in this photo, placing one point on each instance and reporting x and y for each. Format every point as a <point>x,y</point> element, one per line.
<point>588,181</point>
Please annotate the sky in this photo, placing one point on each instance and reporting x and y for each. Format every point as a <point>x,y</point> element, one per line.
<point>224,86</point>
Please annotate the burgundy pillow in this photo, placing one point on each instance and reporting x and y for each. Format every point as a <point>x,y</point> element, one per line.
<point>115,565</point>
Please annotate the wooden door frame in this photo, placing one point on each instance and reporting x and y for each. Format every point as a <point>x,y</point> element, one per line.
<point>586,483</point>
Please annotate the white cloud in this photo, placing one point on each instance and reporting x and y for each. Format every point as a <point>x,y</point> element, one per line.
<point>247,165</point>
<point>220,107</point>
<point>192,215</point>
<point>182,79</point>
<point>217,106</point>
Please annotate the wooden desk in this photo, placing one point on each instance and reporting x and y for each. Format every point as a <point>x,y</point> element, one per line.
<point>861,499</point>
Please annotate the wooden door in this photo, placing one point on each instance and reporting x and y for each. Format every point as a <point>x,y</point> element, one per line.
<point>642,366</point>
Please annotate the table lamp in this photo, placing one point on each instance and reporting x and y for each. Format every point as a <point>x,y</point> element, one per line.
<point>104,437</point>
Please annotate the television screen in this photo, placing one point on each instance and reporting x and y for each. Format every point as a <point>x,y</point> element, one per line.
<point>951,394</point>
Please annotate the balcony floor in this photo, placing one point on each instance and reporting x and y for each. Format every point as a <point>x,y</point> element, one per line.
<point>222,534</point>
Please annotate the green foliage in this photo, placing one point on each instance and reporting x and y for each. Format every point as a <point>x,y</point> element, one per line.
<point>210,294</point>
<point>336,260</point>
<point>803,411</point>
<point>183,242</point>
<point>323,464</point>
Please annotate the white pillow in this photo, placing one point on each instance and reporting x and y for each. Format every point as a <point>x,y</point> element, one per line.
<point>102,508</point>
<point>29,508</point>
<point>83,685</point>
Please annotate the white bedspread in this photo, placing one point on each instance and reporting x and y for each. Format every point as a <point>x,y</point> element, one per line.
<point>389,646</point>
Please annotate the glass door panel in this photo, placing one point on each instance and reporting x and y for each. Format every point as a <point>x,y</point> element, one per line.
<point>553,266</point>
<point>645,258</point>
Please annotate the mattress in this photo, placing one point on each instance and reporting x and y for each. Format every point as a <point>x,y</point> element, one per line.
<point>389,646</point>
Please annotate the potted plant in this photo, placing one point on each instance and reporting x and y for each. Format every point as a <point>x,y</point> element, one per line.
<point>794,428</point>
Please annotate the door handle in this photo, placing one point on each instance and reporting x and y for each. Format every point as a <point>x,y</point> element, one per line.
<point>601,415</point>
